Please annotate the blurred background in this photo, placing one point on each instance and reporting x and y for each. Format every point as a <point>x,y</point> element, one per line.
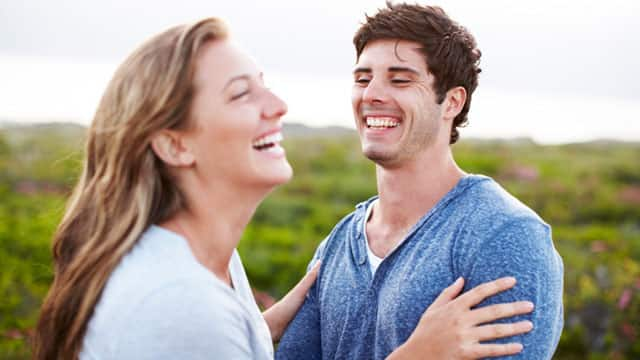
<point>554,120</point>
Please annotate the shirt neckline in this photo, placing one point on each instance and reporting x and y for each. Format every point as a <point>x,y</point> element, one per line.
<point>361,244</point>
<point>185,245</point>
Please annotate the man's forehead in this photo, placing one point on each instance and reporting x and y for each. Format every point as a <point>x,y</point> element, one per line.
<point>392,54</point>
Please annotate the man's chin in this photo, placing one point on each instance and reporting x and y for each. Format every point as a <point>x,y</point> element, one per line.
<point>383,159</point>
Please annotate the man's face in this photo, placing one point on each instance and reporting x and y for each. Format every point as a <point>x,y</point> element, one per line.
<point>394,104</point>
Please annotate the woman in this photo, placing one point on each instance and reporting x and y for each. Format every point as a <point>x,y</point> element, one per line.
<point>182,149</point>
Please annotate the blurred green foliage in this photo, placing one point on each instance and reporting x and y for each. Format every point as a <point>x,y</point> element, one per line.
<point>589,193</point>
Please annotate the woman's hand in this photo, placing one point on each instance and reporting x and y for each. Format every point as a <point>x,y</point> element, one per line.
<point>281,313</point>
<point>449,329</point>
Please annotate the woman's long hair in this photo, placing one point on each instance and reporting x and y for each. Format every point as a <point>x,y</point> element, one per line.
<point>124,187</point>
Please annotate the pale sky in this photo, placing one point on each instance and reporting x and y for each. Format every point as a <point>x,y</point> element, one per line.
<point>555,71</point>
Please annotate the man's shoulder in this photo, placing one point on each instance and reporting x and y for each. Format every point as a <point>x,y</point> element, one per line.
<point>494,221</point>
<point>500,225</point>
<point>348,227</point>
<point>491,205</point>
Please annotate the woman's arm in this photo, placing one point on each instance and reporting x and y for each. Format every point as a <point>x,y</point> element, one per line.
<point>281,313</point>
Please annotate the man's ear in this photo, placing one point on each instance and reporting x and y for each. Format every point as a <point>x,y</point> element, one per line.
<point>454,102</point>
<point>169,146</point>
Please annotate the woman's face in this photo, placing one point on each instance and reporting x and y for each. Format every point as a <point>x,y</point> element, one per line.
<point>236,121</point>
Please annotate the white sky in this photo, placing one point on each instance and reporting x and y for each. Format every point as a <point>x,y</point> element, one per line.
<point>556,71</point>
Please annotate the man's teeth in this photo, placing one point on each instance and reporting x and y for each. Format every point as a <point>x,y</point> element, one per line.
<point>267,141</point>
<point>382,122</point>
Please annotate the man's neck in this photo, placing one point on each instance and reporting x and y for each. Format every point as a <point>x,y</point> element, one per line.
<point>409,191</point>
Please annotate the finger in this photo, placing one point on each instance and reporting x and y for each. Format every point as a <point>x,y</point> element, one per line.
<point>497,331</point>
<point>477,294</point>
<point>493,350</point>
<point>500,311</point>
<point>448,294</point>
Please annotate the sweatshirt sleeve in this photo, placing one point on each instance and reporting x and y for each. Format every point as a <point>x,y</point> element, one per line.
<point>521,248</point>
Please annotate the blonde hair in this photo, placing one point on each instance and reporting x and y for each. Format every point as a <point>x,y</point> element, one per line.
<point>124,187</point>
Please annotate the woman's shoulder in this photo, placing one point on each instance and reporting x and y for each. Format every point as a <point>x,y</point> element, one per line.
<point>159,262</point>
<point>185,319</point>
<point>159,296</point>
<point>188,302</point>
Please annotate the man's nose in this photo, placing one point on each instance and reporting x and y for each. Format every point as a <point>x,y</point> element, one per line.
<point>375,92</point>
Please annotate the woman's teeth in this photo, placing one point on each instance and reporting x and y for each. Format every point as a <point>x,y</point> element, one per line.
<point>267,141</point>
<point>381,122</point>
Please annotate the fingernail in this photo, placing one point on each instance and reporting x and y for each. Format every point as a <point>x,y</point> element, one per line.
<point>529,305</point>
<point>518,347</point>
<point>529,325</point>
<point>510,280</point>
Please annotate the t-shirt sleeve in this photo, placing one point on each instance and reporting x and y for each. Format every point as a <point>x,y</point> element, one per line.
<point>522,248</point>
<point>187,320</point>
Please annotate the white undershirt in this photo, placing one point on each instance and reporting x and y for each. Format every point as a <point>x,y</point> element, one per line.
<point>374,260</point>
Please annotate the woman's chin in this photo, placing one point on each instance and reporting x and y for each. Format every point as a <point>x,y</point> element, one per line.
<point>284,175</point>
<point>275,176</point>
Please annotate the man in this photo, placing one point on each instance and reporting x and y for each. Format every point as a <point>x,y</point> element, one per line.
<point>431,223</point>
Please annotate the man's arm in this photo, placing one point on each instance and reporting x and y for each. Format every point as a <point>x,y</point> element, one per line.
<point>522,248</point>
<point>301,339</point>
<point>280,314</point>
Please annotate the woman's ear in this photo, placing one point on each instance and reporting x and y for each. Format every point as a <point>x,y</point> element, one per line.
<point>454,102</point>
<point>169,146</point>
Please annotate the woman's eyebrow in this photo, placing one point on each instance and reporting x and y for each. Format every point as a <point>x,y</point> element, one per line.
<point>245,77</point>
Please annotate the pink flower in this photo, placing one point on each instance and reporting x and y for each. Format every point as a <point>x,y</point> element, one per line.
<point>625,299</point>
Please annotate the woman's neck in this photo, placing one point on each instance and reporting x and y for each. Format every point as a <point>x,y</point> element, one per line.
<point>213,225</point>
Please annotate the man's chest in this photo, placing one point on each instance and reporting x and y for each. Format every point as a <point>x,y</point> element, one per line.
<point>355,304</point>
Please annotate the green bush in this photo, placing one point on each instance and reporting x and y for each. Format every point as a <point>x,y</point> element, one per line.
<point>587,192</point>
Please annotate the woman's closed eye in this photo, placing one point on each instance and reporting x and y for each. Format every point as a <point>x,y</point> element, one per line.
<point>240,95</point>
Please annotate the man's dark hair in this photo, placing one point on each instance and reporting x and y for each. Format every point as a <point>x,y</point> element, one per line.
<point>450,50</point>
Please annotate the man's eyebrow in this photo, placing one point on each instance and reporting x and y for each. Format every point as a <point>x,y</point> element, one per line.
<point>402,69</point>
<point>362,70</point>
<point>389,69</point>
<point>245,77</point>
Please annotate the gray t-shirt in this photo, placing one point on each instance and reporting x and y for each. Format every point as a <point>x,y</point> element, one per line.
<point>161,303</point>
